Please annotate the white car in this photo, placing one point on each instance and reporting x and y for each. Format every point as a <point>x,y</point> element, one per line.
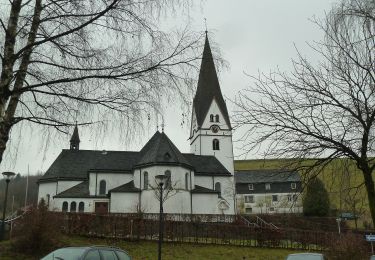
<point>305,256</point>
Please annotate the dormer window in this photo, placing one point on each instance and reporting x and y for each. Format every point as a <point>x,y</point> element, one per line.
<point>251,186</point>
<point>211,118</point>
<point>167,156</point>
<point>293,185</point>
<point>215,144</point>
<point>217,118</point>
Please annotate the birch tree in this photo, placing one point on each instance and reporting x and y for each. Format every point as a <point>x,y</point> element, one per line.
<point>100,59</point>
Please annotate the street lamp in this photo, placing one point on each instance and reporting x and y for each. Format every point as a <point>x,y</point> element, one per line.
<point>7,176</point>
<point>160,180</point>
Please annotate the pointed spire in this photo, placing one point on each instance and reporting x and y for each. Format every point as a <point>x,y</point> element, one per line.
<point>208,88</point>
<point>74,141</point>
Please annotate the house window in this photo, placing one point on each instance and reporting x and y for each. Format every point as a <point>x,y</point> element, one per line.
<point>211,118</point>
<point>217,118</point>
<point>168,184</point>
<point>249,199</point>
<point>186,181</point>
<point>215,144</point>
<point>248,210</point>
<point>289,198</point>
<point>73,206</point>
<point>102,187</point>
<point>218,187</point>
<point>65,206</point>
<point>81,207</point>
<point>272,209</point>
<point>275,198</point>
<point>268,186</point>
<point>251,186</point>
<point>145,180</point>
<point>293,185</point>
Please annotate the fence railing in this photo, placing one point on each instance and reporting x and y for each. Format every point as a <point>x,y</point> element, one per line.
<point>125,226</point>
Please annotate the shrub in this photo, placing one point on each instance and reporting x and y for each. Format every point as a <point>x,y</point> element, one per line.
<point>316,201</point>
<point>348,246</point>
<point>37,232</point>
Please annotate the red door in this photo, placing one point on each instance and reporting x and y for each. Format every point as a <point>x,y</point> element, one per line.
<point>101,207</point>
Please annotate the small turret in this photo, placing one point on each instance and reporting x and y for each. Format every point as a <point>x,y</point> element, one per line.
<point>74,141</point>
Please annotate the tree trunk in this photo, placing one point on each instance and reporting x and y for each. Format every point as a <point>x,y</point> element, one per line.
<point>369,183</point>
<point>4,137</point>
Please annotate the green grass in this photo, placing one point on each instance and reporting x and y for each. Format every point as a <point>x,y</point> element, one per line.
<point>148,250</point>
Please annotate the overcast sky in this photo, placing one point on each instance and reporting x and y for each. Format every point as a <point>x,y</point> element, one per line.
<point>253,35</point>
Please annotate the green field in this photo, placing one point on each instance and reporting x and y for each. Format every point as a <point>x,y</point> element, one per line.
<point>343,181</point>
<point>148,250</point>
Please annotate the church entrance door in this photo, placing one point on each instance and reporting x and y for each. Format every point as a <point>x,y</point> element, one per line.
<point>101,207</point>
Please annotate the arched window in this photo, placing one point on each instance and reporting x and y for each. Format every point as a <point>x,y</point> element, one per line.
<point>211,118</point>
<point>168,184</point>
<point>81,207</point>
<point>186,181</point>
<point>215,144</point>
<point>48,199</point>
<point>102,187</point>
<point>145,180</point>
<point>73,206</point>
<point>217,118</point>
<point>65,206</point>
<point>218,187</point>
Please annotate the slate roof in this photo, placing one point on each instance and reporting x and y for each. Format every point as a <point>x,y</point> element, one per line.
<point>79,191</point>
<point>208,88</point>
<point>75,164</point>
<point>265,176</point>
<point>200,189</point>
<point>160,150</point>
<point>127,187</point>
<point>206,164</point>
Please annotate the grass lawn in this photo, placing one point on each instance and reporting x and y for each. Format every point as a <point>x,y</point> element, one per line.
<point>148,250</point>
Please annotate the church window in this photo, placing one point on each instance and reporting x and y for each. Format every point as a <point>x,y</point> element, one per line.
<point>145,180</point>
<point>211,118</point>
<point>48,199</point>
<point>81,207</point>
<point>73,206</point>
<point>217,118</point>
<point>168,184</point>
<point>102,187</point>
<point>186,181</point>
<point>65,206</point>
<point>215,144</point>
<point>218,187</point>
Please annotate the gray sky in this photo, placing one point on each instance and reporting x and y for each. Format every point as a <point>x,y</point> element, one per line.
<point>253,35</point>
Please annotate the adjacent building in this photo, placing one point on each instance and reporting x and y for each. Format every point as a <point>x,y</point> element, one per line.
<point>268,191</point>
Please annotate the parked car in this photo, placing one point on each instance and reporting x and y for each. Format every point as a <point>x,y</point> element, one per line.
<point>305,256</point>
<point>88,253</point>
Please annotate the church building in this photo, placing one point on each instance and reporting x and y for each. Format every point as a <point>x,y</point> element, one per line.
<point>199,182</point>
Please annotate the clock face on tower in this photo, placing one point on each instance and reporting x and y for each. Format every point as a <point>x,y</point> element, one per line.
<point>215,128</point>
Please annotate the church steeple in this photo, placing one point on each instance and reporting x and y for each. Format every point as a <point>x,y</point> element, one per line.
<point>74,141</point>
<point>208,88</point>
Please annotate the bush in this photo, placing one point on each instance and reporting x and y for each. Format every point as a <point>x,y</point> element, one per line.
<point>316,200</point>
<point>37,232</point>
<point>348,247</point>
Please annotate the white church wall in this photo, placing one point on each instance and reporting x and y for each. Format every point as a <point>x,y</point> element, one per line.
<point>89,204</point>
<point>227,191</point>
<point>112,180</point>
<point>64,185</point>
<point>204,181</point>
<point>45,189</point>
<point>178,202</point>
<point>124,202</point>
<point>215,110</point>
<point>205,203</point>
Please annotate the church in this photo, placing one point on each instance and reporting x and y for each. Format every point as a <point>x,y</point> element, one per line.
<point>199,182</point>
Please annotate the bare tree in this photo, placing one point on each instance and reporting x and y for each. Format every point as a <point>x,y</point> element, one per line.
<point>323,110</point>
<point>91,60</point>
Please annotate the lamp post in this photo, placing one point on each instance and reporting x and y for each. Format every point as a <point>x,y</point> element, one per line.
<point>160,180</point>
<point>8,176</point>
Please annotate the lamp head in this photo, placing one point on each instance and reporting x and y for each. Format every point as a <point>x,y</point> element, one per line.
<point>161,179</point>
<point>8,175</point>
